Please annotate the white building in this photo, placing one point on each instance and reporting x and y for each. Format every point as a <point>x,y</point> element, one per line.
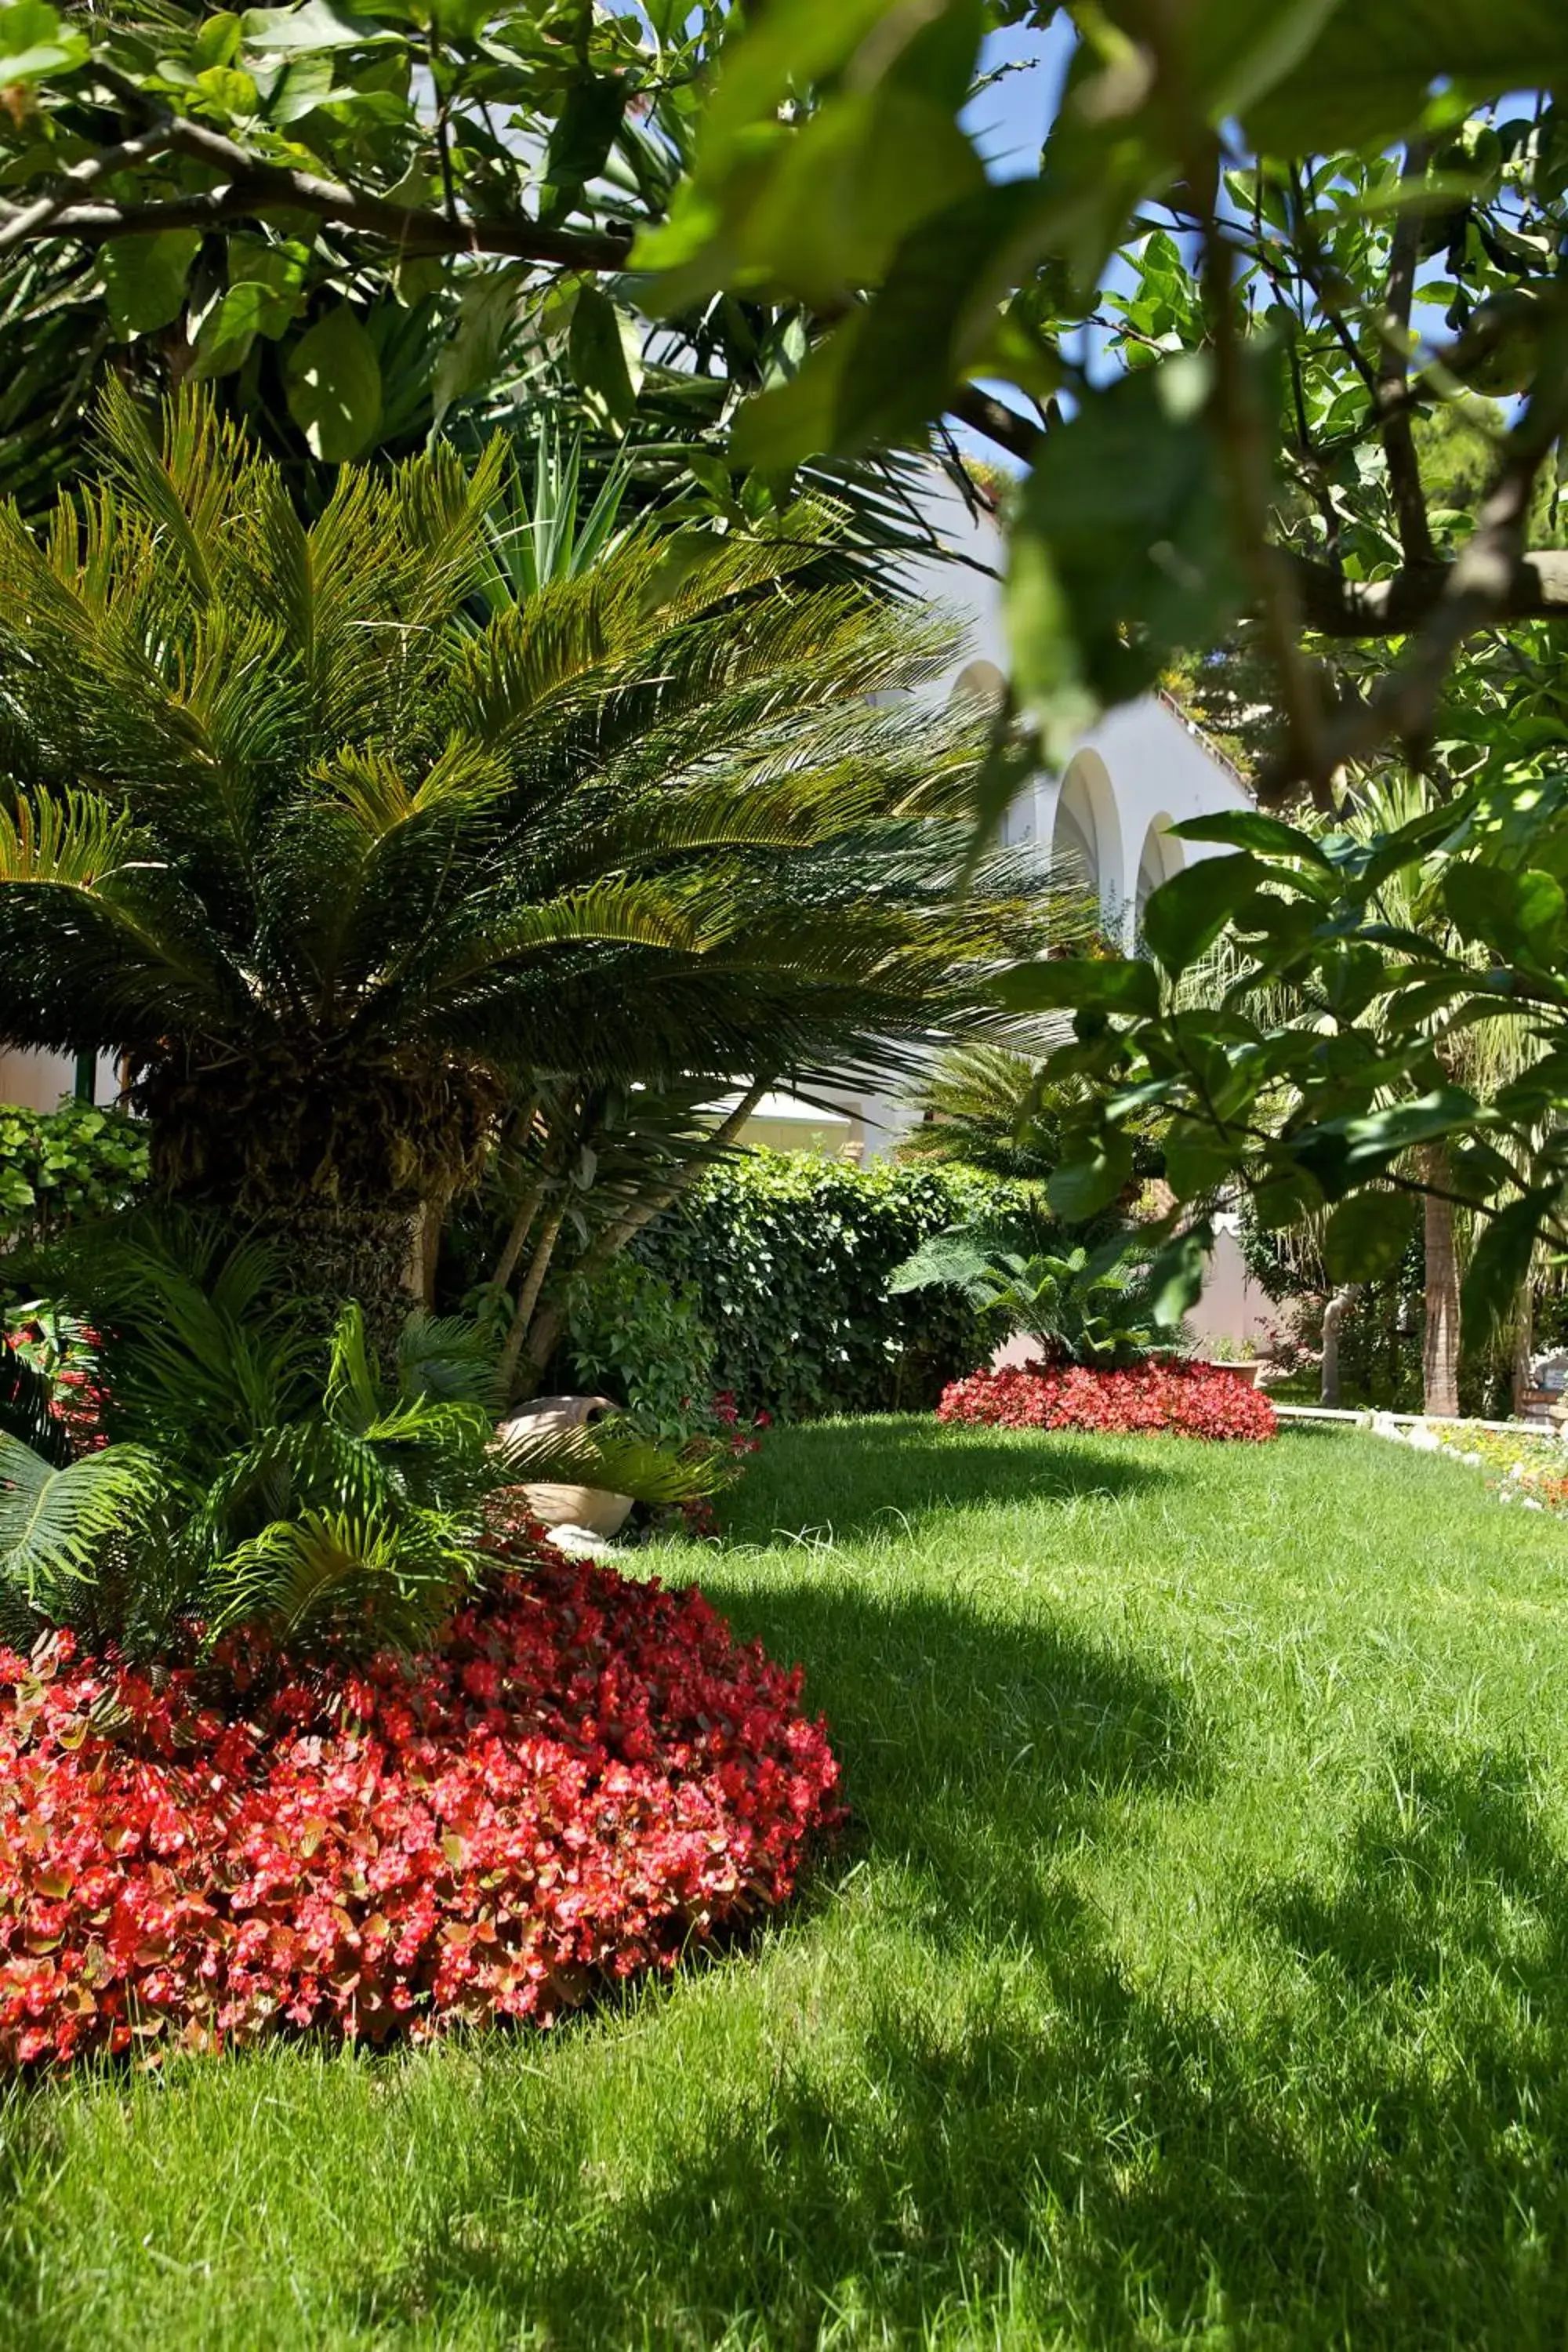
<point>1142,769</point>
<point>1109,816</point>
<point>1106,816</point>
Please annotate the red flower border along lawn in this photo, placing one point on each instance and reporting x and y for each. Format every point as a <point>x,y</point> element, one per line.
<point>1187,1399</point>
<point>589,1776</point>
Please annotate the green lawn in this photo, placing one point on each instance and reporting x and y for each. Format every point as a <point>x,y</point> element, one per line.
<point>1196,1971</point>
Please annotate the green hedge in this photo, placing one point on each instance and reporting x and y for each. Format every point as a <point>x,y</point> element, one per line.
<point>59,1165</point>
<point>789,1258</point>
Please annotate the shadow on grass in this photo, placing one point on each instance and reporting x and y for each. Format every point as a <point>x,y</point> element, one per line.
<point>1374,2156</point>
<point>858,1477</point>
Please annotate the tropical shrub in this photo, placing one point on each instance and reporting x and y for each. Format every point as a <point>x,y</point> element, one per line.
<point>259,1473</point>
<point>586,1778</point>
<point>642,1340</point>
<point>1187,1399</point>
<point>790,1258</point>
<point>57,1166</point>
<point>347,830</point>
<point>1081,1306</point>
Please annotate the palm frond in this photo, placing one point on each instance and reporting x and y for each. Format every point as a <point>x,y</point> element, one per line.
<point>608,1455</point>
<point>450,1359</point>
<point>326,1572</point>
<point>55,1518</point>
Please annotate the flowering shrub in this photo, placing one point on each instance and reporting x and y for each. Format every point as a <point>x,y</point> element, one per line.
<point>65,1353</point>
<point>737,1437</point>
<point>586,1778</point>
<point>1523,1465</point>
<point>1190,1400</point>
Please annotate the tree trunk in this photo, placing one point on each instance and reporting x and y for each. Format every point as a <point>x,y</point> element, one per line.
<point>352,1250</point>
<point>1440,1338</point>
<point>1334,1315</point>
<point>1523,1343</point>
<point>528,1299</point>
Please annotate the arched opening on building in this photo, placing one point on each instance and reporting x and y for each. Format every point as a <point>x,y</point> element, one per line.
<point>1161,857</point>
<point>1086,833</point>
<point>979,681</point>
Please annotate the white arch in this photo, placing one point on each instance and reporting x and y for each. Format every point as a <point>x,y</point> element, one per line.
<point>978,681</point>
<point>1086,832</point>
<point>1159,858</point>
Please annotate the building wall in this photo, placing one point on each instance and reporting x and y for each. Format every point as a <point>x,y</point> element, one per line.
<point>36,1081</point>
<point>1142,769</point>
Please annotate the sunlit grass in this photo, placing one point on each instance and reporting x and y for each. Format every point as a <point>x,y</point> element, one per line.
<point>1196,1970</point>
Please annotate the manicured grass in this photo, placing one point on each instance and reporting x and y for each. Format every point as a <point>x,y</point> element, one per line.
<point>1196,1970</point>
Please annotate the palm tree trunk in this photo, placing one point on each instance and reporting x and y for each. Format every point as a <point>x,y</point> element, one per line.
<point>1523,1342</point>
<point>528,1299</point>
<point>545,1330</point>
<point>352,1250</point>
<point>1440,1338</point>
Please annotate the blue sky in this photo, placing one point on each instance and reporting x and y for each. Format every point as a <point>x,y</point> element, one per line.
<point>1008,122</point>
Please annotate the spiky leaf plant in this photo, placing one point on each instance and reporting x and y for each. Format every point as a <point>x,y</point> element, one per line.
<point>361,1521</point>
<point>340,830</point>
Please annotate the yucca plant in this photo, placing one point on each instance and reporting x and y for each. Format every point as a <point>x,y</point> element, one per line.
<point>256,1476</point>
<point>341,832</point>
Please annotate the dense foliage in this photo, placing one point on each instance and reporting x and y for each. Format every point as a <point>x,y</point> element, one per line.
<point>1079,1306</point>
<point>59,1165</point>
<point>584,1779</point>
<point>1186,1399</point>
<point>261,1472</point>
<point>790,1258</point>
<point>642,1340</point>
<point>380,830</point>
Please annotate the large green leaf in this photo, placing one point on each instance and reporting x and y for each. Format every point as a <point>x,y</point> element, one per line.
<point>317,24</point>
<point>1513,913</point>
<point>1111,983</point>
<point>1186,915</point>
<point>333,380</point>
<point>1121,548</point>
<point>1501,1260</point>
<point>1368,1234</point>
<point>1084,1186</point>
<point>145,279</point>
<point>34,42</point>
<point>1366,76</point>
<point>606,357</point>
<point>581,139</point>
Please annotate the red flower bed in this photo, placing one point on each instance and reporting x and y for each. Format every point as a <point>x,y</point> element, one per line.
<point>589,1776</point>
<point>1190,1400</point>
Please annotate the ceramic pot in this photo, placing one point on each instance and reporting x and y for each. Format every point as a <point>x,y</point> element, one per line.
<point>595,1508</point>
<point>1250,1368</point>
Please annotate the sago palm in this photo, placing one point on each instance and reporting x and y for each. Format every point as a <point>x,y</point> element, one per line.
<point>341,830</point>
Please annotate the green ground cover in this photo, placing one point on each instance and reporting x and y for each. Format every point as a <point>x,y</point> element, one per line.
<point>1195,1971</point>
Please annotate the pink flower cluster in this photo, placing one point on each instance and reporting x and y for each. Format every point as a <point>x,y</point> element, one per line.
<point>587,1777</point>
<point>738,1439</point>
<point>1190,1399</point>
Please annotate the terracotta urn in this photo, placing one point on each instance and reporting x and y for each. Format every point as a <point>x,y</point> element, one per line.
<point>593,1508</point>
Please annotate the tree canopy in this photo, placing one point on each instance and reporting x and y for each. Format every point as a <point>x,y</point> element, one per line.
<point>1275,323</point>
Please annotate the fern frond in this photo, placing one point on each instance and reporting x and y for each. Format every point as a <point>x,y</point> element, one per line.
<point>371,1583</point>
<point>55,1520</point>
